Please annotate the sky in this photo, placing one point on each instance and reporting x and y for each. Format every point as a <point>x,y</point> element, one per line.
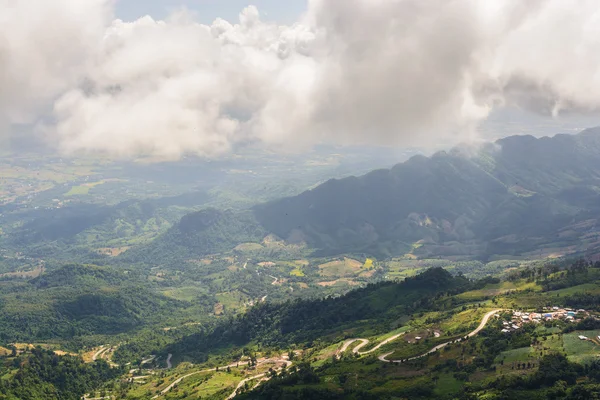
<point>207,77</point>
<point>280,11</point>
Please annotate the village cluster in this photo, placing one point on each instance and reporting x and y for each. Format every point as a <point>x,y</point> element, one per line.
<point>550,313</point>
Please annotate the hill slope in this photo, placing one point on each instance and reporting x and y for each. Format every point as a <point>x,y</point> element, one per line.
<point>514,196</point>
<point>306,320</point>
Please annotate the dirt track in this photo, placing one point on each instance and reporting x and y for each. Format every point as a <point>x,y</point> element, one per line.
<point>383,357</point>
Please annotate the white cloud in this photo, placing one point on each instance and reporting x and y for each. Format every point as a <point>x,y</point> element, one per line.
<point>406,72</point>
<point>44,49</point>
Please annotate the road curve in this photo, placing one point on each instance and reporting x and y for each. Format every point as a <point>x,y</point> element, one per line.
<point>383,357</point>
<point>242,383</point>
<point>175,382</point>
<point>259,376</point>
<point>482,325</point>
<point>348,342</point>
<point>345,345</point>
<point>383,343</point>
<point>100,351</point>
<point>363,343</point>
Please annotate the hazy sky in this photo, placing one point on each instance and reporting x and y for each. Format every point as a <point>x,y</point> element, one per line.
<point>281,11</point>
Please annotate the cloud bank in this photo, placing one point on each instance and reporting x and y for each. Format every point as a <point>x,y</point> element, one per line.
<point>400,72</point>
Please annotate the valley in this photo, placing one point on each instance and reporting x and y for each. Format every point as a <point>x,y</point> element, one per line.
<point>231,282</point>
<point>425,343</point>
<point>299,200</point>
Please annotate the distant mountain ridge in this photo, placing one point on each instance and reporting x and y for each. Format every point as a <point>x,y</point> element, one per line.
<point>517,195</point>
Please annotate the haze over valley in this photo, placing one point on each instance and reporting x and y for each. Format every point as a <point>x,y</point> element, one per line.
<point>358,199</point>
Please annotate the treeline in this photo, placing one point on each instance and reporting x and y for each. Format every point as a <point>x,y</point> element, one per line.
<point>80,275</point>
<point>308,380</point>
<point>44,375</point>
<point>556,378</point>
<point>150,340</point>
<point>558,275</point>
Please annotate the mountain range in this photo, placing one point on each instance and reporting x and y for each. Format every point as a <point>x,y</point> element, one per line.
<point>517,195</point>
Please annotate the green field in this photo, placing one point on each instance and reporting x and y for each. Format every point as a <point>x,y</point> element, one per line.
<point>82,190</point>
<point>186,293</point>
<point>232,300</point>
<point>78,191</point>
<point>447,384</point>
<point>337,268</point>
<point>499,288</point>
<point>589,288</point>
<point>202,385</point>
<point>463,321</point>
<point>581,351</point>
<point>399,270</point>
<point>516,355</point>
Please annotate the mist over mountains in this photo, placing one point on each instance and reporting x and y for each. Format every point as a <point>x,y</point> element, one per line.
<point>509,197</point>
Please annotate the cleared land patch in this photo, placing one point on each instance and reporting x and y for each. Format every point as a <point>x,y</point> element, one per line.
<point>113,251</point>
<point>345,267</point>
<point>83,189</point>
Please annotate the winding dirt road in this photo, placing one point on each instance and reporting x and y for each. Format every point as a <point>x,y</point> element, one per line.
<point>383,357</point>
<point>483,323</point>
<point>100,351</point>
<point>346,344</point>
<point>233,365</point>
<point>252,378</point>
<point>242,383</point>
<point>147,360</point>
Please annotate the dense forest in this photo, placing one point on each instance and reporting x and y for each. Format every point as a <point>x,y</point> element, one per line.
<point>79,300</point>
<point>43,375</point>
<point>197,234</point>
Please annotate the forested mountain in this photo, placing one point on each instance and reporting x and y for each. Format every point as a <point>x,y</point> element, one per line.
<point>78,300</point>
<point>200,233</point>
<point>44,375</point>
<point>510,197</point>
